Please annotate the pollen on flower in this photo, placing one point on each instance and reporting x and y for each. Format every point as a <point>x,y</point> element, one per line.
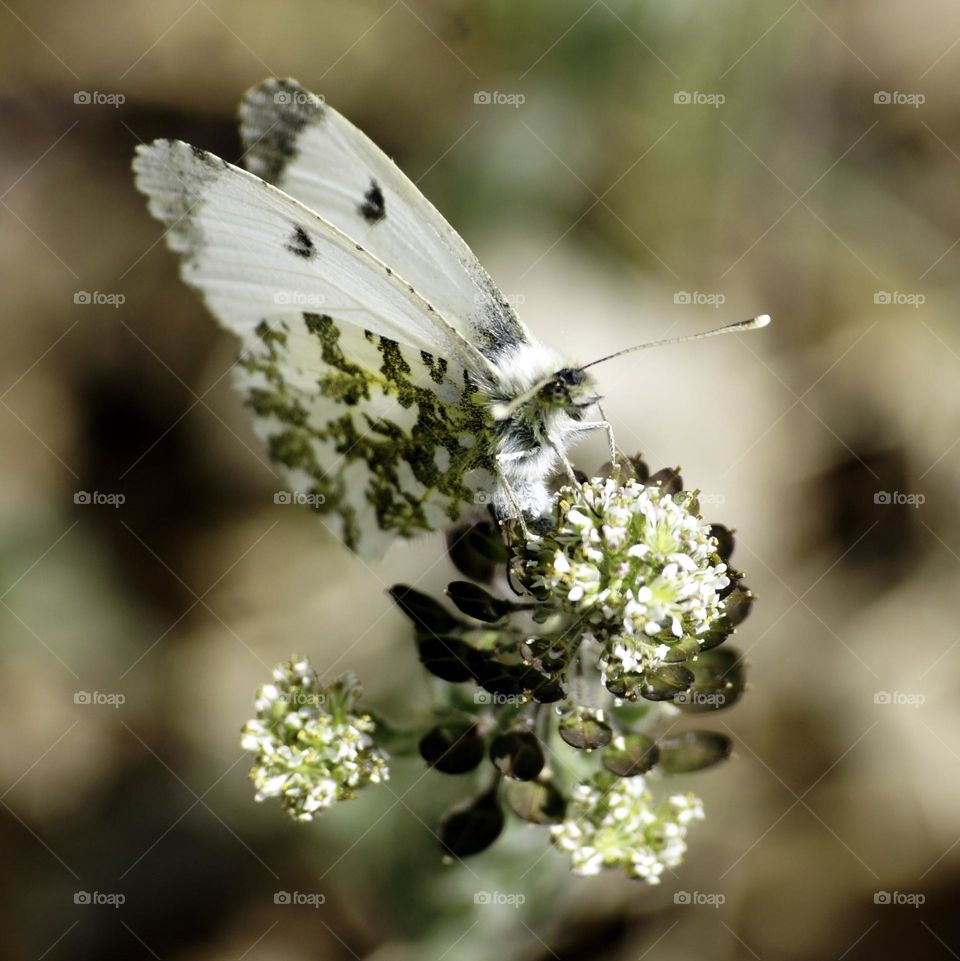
<point>636,562</point>
<point>613,823</point>
<point>312,747</point>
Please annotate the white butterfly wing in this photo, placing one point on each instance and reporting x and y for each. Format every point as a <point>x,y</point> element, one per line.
<point>294,140</point>
<point>363,392</point>
<point>252,251</point>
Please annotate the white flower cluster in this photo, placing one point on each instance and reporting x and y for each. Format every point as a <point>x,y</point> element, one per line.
<point>637,562</point>
<point>312,749</point>
<point>612,823</point>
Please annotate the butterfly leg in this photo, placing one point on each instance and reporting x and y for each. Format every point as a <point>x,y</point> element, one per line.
<point>608,427</point>
<point>508,490</point>
<point>595,425</point>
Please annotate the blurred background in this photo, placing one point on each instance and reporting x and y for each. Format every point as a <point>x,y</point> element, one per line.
<point>626,171</point>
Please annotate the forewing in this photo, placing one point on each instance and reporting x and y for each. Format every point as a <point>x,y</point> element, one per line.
<point>253,251</point>
<point>296,141</point>
<point>363,392</point>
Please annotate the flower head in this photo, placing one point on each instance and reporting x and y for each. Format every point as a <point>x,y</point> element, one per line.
<point>312,748</point>
<point>637,562</point>
<point>613,822</point>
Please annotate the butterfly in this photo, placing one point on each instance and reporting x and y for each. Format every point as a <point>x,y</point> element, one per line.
<point>388,376</point>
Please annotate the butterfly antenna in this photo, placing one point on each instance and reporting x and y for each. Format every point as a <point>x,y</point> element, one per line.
<point>754,323</point>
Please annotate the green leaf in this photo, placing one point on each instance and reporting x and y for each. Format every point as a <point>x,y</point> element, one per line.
<point>682,650</point>
<point>736,606</point>
<point>638,754</point>
<point>474,601</point>
<point>545,654</point>
<point>448,658</point>
<point>513,678</point>
<point>581,729</point>
<point>668,479</point>
<point>538,802</point>
<point>719,679</point>
<point>725,540</point>
<point>470,829</point>
<point>429,616</point>
<point>666,682</point>
<point>693,751</point>
<point>477,550</point>
<point>453,747</point>
<point>517,755</point>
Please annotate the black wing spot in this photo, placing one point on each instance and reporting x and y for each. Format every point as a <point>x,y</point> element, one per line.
<point>204,156</point>
<point>301,244</point>
<point>374,207</point>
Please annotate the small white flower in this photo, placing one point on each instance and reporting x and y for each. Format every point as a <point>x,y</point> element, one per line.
<point>636,563</point>
<point>317,753</point>
<point>613,823</point>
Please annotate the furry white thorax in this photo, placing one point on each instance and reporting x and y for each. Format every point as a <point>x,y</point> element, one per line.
<point>531,438</point>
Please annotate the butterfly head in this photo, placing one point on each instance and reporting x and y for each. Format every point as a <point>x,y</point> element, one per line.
<point>570,389</point>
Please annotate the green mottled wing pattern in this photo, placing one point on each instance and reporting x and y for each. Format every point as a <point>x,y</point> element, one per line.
<point>388,441</point>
